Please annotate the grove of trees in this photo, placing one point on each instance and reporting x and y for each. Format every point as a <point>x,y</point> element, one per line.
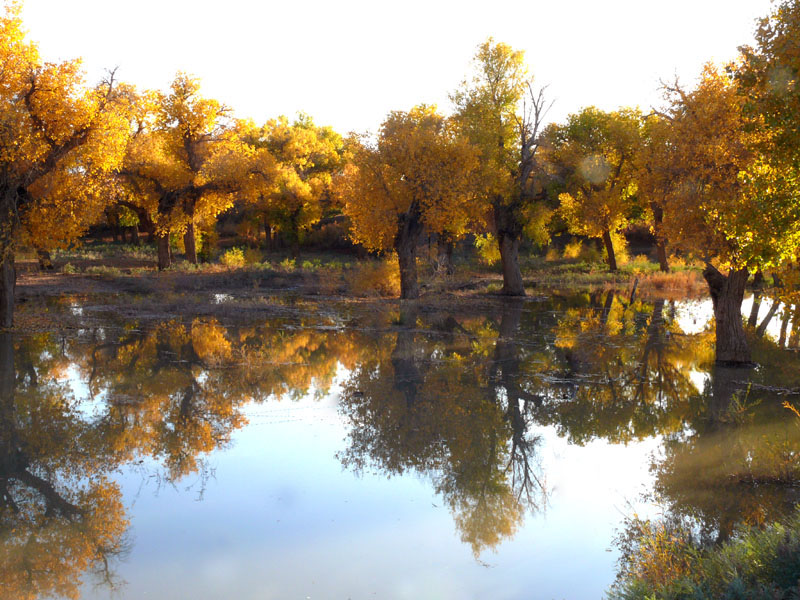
<point>713,173</point>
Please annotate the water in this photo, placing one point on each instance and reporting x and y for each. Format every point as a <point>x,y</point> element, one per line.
<point>487,449</point>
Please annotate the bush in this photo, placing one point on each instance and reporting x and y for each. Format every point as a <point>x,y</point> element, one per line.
<point>664,560</point>
<point>375,277</point>
<point>233,257</point>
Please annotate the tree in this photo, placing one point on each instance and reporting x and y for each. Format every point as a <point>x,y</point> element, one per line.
<point>183,163</point>
<point>58,140</point>
<point>307,156</point>
<point>501,114</point>
<point>655,177</point>
<point>598,150</point>
<point>418,175</point>
<point>732,206</point>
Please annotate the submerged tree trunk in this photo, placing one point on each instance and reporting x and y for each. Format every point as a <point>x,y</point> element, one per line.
<point>610,256</point>
<point>8,282</point>
<point>727,293</point>
<point>405,242</point>
<point>190,243</point>
<point>164,254</point>
<point>509,231</point>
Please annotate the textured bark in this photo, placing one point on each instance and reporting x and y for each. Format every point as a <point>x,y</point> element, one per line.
<point>727,293</point>
<point>190,243</point>
<point>610,256</point>
<point>135,235</point>
<point>509,259</point>
<point>405,243</point>
<point>8,282</point>
<point>752,320</point>
<point>509,231</point>
<point>784,327</point>
<point>164,253</point>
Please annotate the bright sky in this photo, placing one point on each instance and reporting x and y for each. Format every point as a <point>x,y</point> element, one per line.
<point>349,62</point>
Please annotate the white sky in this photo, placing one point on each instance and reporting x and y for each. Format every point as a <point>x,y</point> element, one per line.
<point>348,62</point>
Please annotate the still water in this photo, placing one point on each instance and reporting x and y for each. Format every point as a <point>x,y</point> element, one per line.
<point>487,449</point>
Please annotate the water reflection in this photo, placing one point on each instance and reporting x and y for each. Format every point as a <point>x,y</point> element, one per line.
<point>458,396</point>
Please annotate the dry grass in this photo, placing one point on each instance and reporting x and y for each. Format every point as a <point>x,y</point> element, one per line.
<point>676,284</point>
<point>375,278</point>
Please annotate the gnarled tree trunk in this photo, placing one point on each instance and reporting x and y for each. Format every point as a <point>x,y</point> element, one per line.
<point>509,231</point>
<point>405,242</point>
<point>727,293</point>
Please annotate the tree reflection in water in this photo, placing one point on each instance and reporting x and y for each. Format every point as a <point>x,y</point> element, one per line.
<point>455,396</point>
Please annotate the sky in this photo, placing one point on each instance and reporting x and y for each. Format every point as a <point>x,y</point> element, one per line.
<point>348,63</point>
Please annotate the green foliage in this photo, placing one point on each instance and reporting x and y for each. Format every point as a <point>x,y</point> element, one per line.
<point>664,560</point>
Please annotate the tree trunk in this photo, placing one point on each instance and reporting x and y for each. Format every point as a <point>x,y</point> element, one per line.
<point>661,241</point>
<point>44,259</point>
<point>509,259</point>
<point>8,282</point>
<point>267,236</point>
<point>135,235</point>
<point>784,327</point>
<point>444,260</point>
<point>612,259</point>
<point>164,254</point>
<point>509,231</point>
<point>190,243</point>
<point>727,293</point>
<point>752,320</point>
<point>405,243</point>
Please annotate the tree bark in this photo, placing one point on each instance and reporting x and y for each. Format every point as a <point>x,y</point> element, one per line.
<point>509,231</point>
<point>611,257</point>
<point>661,241</point>
<point>727,293</point>
<point>405,243</point>
<point>267,236</point>
<point>445,256</point>
<point>8,282</point>
<point>135,235</point>
<point>164,254</point>
<point>752,320</point>
<point>190,243</point>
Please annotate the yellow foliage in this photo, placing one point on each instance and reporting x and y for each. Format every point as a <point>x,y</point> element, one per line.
<point>372,277</point>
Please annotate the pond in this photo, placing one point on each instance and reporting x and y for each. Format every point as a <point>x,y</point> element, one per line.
<point>484,449</point>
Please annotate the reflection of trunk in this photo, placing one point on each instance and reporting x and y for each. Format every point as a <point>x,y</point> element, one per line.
<point>8,281</point>
<point>164,254</point>
<point>607,308</point>
<point>407,376</point>
<point>509,231</point>
<point>408,231</point>
<point>190,243</point>
<point>727,293</point>
<point>609,245</point>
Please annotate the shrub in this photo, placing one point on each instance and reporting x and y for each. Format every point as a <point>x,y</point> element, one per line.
<point>252,256</point>
<point>375,277</point>
<point>69,269</point>
<point>665,560</point>
<point>233,257</point>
